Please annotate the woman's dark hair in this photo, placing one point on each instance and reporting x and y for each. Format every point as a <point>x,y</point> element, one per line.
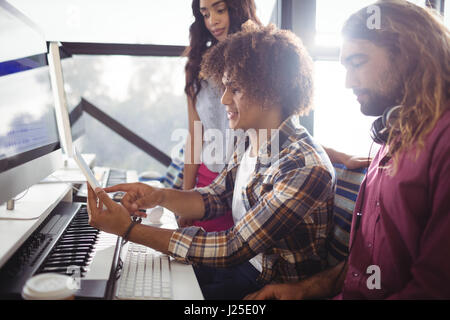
<point>201,39</point>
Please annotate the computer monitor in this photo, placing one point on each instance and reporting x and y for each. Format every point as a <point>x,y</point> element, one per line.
<point>67,97</point>
<point>29,142</point>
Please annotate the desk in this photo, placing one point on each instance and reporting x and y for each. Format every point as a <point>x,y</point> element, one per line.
<point>13,233</point>
<point>39,200</point>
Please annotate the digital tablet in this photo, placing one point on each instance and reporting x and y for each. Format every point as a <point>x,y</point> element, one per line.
<point>85,169</point>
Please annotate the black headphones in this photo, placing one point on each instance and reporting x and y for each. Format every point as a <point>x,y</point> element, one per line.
<point>380,127</point>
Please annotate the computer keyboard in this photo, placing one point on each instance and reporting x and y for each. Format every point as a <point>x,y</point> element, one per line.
<point>146,275</point>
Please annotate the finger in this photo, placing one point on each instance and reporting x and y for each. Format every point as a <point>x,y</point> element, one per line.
<point>263,294</point>
<point>136,205</point>
<point>144,202</point>
<point>252,296</point>
<point>128,199</point>
<point>92,199</point>
<point>92,206</point>
<point>105,199</point>
<point>121,187</point>
<point>100,204</point>
<point>141,213</point>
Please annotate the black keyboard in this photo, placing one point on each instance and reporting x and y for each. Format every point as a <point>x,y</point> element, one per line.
<point>64,243</point>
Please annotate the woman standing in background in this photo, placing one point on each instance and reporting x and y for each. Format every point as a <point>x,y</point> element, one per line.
<point>214,21</point>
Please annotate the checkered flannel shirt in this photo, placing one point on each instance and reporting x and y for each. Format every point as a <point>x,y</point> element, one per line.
<point>289,203</point>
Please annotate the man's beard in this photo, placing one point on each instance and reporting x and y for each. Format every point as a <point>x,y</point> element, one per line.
<point>388,95</point>
<point>377,103</point>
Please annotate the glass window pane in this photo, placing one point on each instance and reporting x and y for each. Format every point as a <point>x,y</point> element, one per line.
<point>112,21</point>
<point>266,10</point>
<point>338,122</point>
<point>18,40</point>
<point>164,22</point>
<point>332,14</point>
<point>145,94</point>
<point>447,14</point>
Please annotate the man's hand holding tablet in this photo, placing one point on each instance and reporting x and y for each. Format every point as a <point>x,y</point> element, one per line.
<point>85,169</point>
<point>93,183</point>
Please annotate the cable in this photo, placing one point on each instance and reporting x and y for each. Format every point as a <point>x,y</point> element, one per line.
<point>24,194</point>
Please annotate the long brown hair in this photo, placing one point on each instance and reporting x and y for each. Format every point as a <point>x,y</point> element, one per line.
<point>419,43</point>
<point>201,39</point>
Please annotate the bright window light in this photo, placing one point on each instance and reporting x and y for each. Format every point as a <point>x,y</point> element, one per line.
<point>338,121</point>
<point>265,10</point>
<point>332,14</point>
<point>447,14</point>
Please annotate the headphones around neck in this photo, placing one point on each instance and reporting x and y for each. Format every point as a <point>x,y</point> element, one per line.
<point>380,127</point>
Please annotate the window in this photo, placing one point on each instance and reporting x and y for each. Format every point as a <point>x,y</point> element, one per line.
<point>11,28</point>
<point>131,21</point>
<point>330,17</point>
<point>145,94</point>
<point>332,14</point>
<point>447,14</point>
<point>266,11</point>
<point>338,122</point>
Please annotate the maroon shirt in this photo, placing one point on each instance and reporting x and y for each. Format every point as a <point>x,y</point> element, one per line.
<point>405,225</point>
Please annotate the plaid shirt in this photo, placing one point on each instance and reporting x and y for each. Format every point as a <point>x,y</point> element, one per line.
<point>289,204</point>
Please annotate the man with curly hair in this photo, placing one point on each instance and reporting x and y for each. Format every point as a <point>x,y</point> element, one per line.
<point>400,238</point>
<point>279,184</point>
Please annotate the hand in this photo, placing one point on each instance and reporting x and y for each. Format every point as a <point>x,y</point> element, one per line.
<point>111,218</point>
<point>183,222</point>
<point>353,162</point>
<point>138,196</point>
<point>284,291</point>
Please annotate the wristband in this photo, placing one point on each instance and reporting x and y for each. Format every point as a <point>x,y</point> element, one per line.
<point>130,227</point>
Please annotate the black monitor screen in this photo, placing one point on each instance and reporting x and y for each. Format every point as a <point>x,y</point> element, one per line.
<point>28,128</point>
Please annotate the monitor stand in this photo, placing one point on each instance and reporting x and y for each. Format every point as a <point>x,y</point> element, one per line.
<point>23,210</point>
<point>39,200</point>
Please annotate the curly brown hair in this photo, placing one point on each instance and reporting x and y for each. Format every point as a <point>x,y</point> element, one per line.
<point>419,44</point>
<point>201,39</point>
<point>270,65</point>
